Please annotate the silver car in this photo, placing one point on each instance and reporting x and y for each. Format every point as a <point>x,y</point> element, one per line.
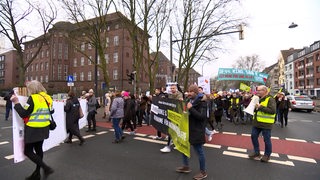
<point>302,102</point>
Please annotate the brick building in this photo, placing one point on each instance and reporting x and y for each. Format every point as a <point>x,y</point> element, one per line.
<point>60,57</point>
<point>9,77</point>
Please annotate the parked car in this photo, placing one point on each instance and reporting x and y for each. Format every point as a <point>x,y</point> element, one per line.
<point>301,102</point>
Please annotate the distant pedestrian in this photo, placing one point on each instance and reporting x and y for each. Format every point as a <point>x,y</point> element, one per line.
<point>91,117</point>
<point>107,103</point>
<point>72,118</point>
<point>129,112</point>
<point>116,113</point>
<point>283,105</point>
<point>8,104</point>
<point>265,112</point>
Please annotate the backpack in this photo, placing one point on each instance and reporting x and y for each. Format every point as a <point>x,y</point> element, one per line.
<point>97,104</point>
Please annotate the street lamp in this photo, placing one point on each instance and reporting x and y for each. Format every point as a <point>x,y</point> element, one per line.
<point>293,25</point>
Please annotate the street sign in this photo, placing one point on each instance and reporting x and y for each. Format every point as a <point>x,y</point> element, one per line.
<point>70,78</point>
<point>70,84</point>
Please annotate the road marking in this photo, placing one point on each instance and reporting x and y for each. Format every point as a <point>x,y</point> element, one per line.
<point>9,157</point>
<point>7,127</point>
<point>102,132</point>
<point>298,140</point>
<point>230,133</point>
<point>298,158</point>
<point>150,140</point>
<point>241,155</point>
<point>139,134</point>
<point>316,142</point>
<point>212,146</point>
<point>287,163</point>
<point>272,154</point>
<point>245,134</point>
<point>4,142</point>
<point>88,136</point>
<point>274,137</point>
<point>305,120</point>
<point>237,149</point>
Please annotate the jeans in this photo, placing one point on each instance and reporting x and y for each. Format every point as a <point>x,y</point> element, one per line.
<point>199,150</point>
<point>208,132</point>
<point>117,130</point>
<point>266,133</point>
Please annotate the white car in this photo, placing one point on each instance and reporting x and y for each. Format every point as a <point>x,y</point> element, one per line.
<point>301,102</point>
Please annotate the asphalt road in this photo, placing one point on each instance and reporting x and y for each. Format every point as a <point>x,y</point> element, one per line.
<point>139,158</point>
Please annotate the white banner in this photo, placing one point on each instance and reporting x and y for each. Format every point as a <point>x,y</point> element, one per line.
<point>204,82</point>
<point>56,136</point>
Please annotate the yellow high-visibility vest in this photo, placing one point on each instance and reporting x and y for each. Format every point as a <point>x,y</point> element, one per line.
<point>40,116</point>
<point>265,117</point>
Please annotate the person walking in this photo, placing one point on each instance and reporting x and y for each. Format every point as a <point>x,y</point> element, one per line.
<point>107,103</point>
<point>283,104</point>
<point>197,123</point>
<point>8,104</point>
<point>36,125</point>
<point>265,112</point>
<point>174,94</point>
<point>91,117</point>
<point>116,113</point>
<point>72,118</point>
<point>129,113</point>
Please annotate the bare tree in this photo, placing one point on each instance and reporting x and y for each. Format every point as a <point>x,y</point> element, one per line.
<point>91,17</point>
<point>197,32</point>
<point>252,63</point>
<point>11,17</point>
<point>152,17</point>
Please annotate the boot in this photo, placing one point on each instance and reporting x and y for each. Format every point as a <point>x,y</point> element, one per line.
<point>34,176</point>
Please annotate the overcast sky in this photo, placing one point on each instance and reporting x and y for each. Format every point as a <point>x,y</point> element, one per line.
<point>268,31</point>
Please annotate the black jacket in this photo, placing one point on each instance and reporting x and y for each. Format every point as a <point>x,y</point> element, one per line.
<point>197,121</point>
<point>72,113</point>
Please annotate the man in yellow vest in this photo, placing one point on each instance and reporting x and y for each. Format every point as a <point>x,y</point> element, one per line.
<point>265,112</point>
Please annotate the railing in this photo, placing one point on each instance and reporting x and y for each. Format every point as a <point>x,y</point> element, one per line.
<point>309,76</point>
<point>300,87</point>
<point>309,87</point>
<point>300,67</point>
<point>301,77</point>
<point>309,64</point>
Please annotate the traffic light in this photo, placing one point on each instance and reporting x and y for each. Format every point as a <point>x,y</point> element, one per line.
<point>131,78</point>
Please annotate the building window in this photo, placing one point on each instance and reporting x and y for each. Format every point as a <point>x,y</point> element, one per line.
<point>60,51</point>
<point>115,57</point>
<point>116,41</point>
<point>46,66</point>
<point>41,79</point>
<point>31,68</point>
<point>318,69</point>
<point>75,62</point>
<point>116,26</point>
<point>65,71</point>
<point>81,76</point>
<point>59,72</point>
<point>46,79</point>
<point>89,46</point>
<point>98,59</point>
<point>83,46</point>
<point>89,76</point>
<point>42,54</point>
<point>115,74</point>
<point>106,56</point>
<point>37,67</point>
<point>82,61</point>
<point>66,52</point>
<point>89,60</point>
<point>47,53</point>
<point>74,76</point>
<point>107,41</point>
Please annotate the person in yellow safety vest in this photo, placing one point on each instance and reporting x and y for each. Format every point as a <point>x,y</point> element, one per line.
<point>37,119</point>
<point>234,106</point>
<point>265,112</point>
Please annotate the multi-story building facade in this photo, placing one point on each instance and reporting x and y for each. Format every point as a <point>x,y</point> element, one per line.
<point>273,78</point>
<point>9,77</point>
<point>164,70</point>
<point>60,57</point>
<point>307,70</point>
<point>289,74</point>
<point>282,61</point>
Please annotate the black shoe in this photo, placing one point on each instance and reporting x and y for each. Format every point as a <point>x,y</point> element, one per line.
<point>47,172</point>
<point>34,176</point>
<point>94,130</point>
<point>88,130</point>
<point>81,142</point>
<point>68,141</point>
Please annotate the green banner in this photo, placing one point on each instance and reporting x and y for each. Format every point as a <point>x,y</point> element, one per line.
<point>242,75</point>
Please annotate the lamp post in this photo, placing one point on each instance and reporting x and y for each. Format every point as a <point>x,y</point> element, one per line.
<point>293,25</point>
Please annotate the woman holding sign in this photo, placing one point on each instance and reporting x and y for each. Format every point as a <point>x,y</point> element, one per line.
<point>36,129</point>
